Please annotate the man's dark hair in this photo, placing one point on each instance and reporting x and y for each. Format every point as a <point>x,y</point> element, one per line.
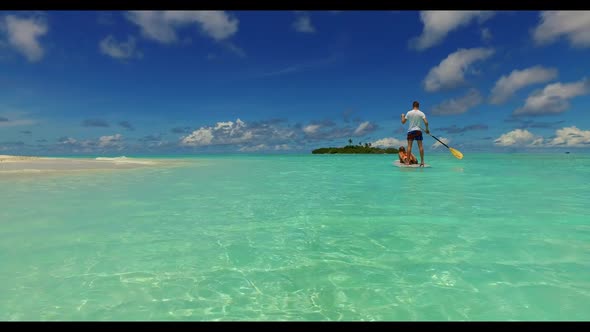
<point>415,104</point>
<point>401,148</point>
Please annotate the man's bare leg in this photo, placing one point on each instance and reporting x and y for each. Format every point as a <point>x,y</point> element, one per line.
<point>421,148</point>
<point>409,149</point>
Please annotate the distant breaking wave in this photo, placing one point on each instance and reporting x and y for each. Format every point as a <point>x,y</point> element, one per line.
<point>124,159</point>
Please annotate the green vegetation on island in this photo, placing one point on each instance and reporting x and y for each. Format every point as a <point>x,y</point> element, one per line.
<point>360,148</point>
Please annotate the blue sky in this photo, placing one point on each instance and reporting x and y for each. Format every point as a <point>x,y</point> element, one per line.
<point>124,83</point>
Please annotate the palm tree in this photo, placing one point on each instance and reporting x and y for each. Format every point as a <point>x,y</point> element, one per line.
<point>350,141</point>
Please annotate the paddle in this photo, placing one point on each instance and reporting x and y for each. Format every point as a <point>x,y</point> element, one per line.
<point>455,152</point>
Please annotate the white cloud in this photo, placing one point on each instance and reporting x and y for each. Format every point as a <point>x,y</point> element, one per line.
<point>156,144</point>
<point>329,130</point>
<point>389,142</point>
<point>68,141</point>
<point>515,137</point>
<point>364,128</point>
<point>506,86</point>
<point>153,25</point>
<point>216,24</point>
<point>119,50</point>
<point>282,147</point>
<point>162,25</point>
<point>451,71</point>
<point>81,146</point>
<point>200,137</point>
<point>554,98</point>
<point>23,34</point>
<point>570,137</point>
<point>458,105</point>
<point>537,142</point>
<point>254,148</point>
<point>303,24</point>
<point>263,147</point>
<point>111,141</point>
<point>438,23</point>
<point>270,133</point>
<point>574,25</point>
<point>222,133</point>
<point>231,129</point>
<point>438,145</point>
<point>235,49</point>
<point>311,129</point>
<point>564,137</point>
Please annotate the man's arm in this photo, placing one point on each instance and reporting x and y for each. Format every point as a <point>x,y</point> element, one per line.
<point>426,124</point>
<point>404,118</point>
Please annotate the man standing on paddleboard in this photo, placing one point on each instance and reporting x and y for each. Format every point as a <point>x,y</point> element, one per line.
<point>415,117</point>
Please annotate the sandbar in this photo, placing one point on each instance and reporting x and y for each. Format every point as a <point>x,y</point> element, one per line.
<point>30,164</point>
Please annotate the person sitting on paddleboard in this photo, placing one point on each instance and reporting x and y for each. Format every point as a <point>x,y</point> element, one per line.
<point>415,116</point>
<point>403,155</point>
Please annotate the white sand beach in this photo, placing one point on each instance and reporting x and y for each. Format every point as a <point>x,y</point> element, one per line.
<point>30,164</point>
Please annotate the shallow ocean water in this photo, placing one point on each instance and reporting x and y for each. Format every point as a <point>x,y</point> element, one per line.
<point>301,237</point>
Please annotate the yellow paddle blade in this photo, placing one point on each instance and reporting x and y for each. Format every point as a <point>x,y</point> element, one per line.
<point>456,153</point>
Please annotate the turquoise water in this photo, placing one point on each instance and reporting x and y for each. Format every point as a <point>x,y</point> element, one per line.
<point>314,237</point>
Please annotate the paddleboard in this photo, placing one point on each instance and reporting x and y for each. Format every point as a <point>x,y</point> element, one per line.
<point>399,164</point>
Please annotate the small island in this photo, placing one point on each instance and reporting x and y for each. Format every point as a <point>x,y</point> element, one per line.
<point>352,149</point>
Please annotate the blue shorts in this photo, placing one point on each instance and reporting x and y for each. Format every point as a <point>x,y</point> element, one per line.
<point>415,135</point>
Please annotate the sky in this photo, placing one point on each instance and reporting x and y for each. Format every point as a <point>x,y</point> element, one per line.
<point>190,82</point>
